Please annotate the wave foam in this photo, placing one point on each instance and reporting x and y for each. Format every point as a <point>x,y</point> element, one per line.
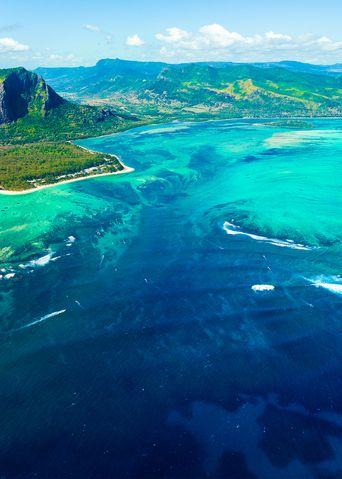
<point>43,261</point>
<point>262,287</point>
<point>9,275</point>
<point>70,240</point>
<point>326,283</point>
<point>232,229</point>
<point>40,262</point>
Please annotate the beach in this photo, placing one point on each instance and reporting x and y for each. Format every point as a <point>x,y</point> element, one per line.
<point>126,169</point>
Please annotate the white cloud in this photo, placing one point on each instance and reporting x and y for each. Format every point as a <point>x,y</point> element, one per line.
<point>9,45</point>
<point>277,36</point>
<point>328,45</point>
<point>215,42</point>
<point>134,41</point>
<point>91,28</point>
<point>174,35</point>
<point>216,34</point>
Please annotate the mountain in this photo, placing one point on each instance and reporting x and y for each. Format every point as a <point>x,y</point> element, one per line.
<point>22,92</point>
<point>300,67</point>
<point>34,114</point>
<point>35,123</point>
<point>204,90</point>
<point>30,110</point>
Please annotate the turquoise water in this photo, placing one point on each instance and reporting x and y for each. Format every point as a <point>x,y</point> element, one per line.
<point>183,320</point>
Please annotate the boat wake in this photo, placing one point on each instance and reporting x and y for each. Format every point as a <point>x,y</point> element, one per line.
<point>40,320</point>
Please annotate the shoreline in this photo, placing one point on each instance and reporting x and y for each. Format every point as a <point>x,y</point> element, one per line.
<point>126,169</point>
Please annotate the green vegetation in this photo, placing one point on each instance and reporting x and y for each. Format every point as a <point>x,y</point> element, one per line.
<point>35,123</point>
<point>301,124</point>
<point>32,111</point>
<point>158,91</point>
<point>31,165</point>
<point>4,72</point>
<point>126,94</point>
<point>67,121</point>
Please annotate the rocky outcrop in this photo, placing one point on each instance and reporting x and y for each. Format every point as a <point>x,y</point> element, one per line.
<point>23,92</point>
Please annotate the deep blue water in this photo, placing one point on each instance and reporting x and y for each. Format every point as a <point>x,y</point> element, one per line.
<point>162,361</point>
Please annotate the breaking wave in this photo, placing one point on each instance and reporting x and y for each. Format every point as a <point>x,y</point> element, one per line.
<point>232,229</point>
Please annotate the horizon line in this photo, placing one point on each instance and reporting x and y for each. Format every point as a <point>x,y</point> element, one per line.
<point>199,62</point>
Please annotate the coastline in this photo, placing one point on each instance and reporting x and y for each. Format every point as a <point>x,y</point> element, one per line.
<point>126,169</point>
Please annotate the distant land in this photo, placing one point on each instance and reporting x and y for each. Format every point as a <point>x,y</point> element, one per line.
<point>155,90</point>
<point>30,110</point>
<point>41,111</point>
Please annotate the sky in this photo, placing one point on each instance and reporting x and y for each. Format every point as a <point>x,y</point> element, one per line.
<point>80,32</point>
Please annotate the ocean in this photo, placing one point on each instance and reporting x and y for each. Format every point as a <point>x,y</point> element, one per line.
<point>183,320</point>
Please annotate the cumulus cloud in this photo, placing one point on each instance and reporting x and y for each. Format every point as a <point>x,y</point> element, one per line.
<point>174,35</point>
<point>91,28</point>
<point>9,45</point>
<point>134,41</point>
<point>215,42</point>
<point>278,36</point>
<point>217,35</point>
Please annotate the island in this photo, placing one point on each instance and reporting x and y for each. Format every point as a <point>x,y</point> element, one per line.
<point>291,124</point>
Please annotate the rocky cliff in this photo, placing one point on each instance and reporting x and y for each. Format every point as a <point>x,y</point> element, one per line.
<point>23,92</point>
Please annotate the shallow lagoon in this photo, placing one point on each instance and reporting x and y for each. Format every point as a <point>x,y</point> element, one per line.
<point>151,354</point>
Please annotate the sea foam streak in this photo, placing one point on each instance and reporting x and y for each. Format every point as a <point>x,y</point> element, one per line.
<point>232,229</point>
<point>43,318</point>
<point>326,283</point>
<point>43,261</point>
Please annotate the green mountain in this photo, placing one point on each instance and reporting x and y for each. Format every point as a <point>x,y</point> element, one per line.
<point>33,114</point>
<point>204,90</point>
<point>35,123</point>
<point>22,92</point>
<point>334,70</point>
<point>30,110</point>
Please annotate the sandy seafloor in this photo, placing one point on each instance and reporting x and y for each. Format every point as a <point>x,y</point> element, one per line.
<point>184,320</point>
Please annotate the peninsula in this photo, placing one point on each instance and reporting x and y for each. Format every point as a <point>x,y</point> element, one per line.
<point>36,126</point>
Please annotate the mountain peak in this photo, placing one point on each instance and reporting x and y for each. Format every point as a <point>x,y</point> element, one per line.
<point>23,92</point>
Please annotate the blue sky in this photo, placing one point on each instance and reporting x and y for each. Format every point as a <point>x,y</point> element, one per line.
<point>79,32</point>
